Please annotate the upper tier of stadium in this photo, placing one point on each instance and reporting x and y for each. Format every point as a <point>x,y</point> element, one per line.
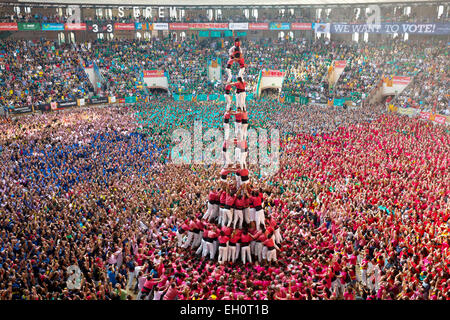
<point>218,3</point>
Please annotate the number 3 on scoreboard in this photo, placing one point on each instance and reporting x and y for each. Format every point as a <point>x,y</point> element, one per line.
<point>109,28</point>
<point>95,27</point>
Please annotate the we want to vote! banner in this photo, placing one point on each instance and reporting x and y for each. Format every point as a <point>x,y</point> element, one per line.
<point>413,28</point>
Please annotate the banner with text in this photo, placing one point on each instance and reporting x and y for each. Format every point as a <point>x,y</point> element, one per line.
<point>179,26</point>
<point>29,26</point>
<point>75,26</point>
<point>160,26</point>
<point>279,26</point>
<point>258,26</point>
<point>212,25</point>
<point>125,26</point>
<point>392,27</point>
<point>400,80</point>
<point>340,64</point>
<point>25,109</point>
<point>301,26</point>
<point>153,73</point>
<point>8,26</point>
<point>53,26</point>
<point>273,73</point>
<point>238,26</point>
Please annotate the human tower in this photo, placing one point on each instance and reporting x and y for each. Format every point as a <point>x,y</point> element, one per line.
<point>234,223</point>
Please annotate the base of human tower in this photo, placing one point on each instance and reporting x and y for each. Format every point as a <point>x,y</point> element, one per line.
<point>235,227</point>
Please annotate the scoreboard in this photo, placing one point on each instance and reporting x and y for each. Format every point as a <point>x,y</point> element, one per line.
<point>100,27</point>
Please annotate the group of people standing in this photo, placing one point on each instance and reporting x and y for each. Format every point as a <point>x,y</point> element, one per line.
<point>233,224</point>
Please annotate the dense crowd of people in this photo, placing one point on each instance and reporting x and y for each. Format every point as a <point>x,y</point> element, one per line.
<point>361,198</point>
<point>56,71</point>
<point>429,87</point>
<point>37,72</point>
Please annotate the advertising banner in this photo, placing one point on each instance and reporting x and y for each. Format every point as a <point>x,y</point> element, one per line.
<point>258,26</point>
<point>273,73</point>
<point>153,73</point>
<point>8,26</point>
<point>400,80</point>
<point>29,26</point>
<point>279,26</point>
<point>179,26</point>
<point>124,26</point>
<point>238,26</point>
<point>138,25</point>
<point>147,26</point>
<point>160,26</point>
<point>392,27</point>
<point>98,100</point>
<point>301,26</point>
<point>321,27</point>
<point>53,26</point>
<point>75,26</point>
<point>112,99</point>
<point>66,104</point>
<point>25,109</point>
<point>212,25</point>
<point>340,63</point>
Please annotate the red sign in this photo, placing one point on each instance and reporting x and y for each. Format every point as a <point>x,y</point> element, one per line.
<point>401,80</point>
<point>123,26</point>
<point>153,73</point>
<point>75,26</point>
<point>425,115</point>
<point>440,119</point>
<point>121,100</point>
<point>7,26</point>
<point>258,26</point>
<point>179,26</point>
<point>301,26</point>
<point>273,73</point>
<point>212,25</point>
<point>340,63</point>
